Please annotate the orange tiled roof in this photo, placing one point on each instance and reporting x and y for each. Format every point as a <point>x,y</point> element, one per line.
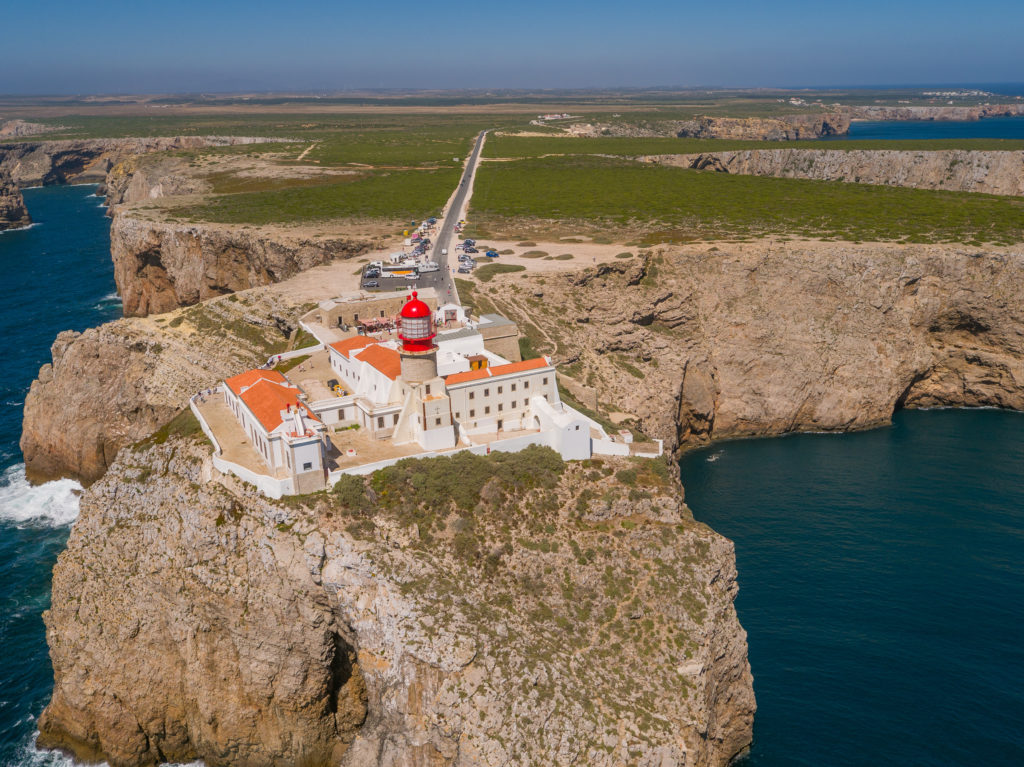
<point>266,399</point>
<point>347,345</point>
<point>498,370</point>
<point>249,377</point>
<point>386,360</point>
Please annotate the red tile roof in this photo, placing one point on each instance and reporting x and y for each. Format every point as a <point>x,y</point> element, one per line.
<point>249,377</point>
<point>266,399</point>
<point>347,345</point>
<point>383,359</point>
<point>498,370</point>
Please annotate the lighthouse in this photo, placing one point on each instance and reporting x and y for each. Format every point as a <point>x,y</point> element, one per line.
<point>426,416</point>
<point>419,352</point>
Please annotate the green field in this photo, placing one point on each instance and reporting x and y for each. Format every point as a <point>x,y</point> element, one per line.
<point>672,204</point>
<point>517,146</point>
<point>382,195</point>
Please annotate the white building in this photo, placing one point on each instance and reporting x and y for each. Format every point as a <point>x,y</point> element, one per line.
<point>282,429</point>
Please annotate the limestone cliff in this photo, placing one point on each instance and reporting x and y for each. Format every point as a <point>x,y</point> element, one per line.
<point>943,113</point>
<point>13,213</point>
<point>114,384</point>
<point>159,266</point>
<point>783,128</point>
<point>952,170</point>
<point>540,613</point>
<point>42,163</point>
<point>713,342</point>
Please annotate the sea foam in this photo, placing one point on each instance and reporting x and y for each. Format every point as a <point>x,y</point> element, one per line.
<point>53,504</point>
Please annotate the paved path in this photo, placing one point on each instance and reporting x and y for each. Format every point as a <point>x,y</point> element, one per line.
<point>446,290</point>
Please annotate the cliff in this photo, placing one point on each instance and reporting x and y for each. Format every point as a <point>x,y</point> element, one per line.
<point>114,384</point>
<point>783,128</point>
<point>13,213</point>
<point>159,266</point>
<point>536,613</point>
<point>943,113</point>
<point>714,342</point>
<point>952,170</point>
<point>43,163</point>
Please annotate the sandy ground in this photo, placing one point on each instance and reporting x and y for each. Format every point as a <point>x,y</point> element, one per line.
<point>583,254</point>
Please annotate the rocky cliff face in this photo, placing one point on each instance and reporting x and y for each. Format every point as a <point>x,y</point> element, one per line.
<point>943,113</point>
<point>159,266</point>
<point>785,128</point>
<point>762,339</point>
<point>565,616</point>
<point>42,163</point>
<point>954,170</point>
<point>13,213</point>
<point>113,385</point>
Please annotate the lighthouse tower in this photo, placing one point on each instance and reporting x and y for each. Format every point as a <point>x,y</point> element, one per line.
<point>426,416</point>
<point>419,352</point>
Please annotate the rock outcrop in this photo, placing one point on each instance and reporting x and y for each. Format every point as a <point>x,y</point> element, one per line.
<point>763,339</point>
<point>43,163</point>
<point>115,384</point>
<point>159,266</point>
<point>13,213</point>
<point>952,170</point>
<point>783,128</point>
<point>560,614</point>
<point>20,129</point>
<point>943,113</point>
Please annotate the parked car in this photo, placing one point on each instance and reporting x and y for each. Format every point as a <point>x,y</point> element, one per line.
<point>470,250</point>
<point>431,220</point>
<point>464,270</point>
<point>468,241</point>
<point>371,284</point>
<point>491,254</point>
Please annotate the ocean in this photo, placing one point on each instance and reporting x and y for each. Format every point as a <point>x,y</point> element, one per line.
<point>57,275</point>
<point>881,576</point>
<point>991,127</point>
<point>881,584</point>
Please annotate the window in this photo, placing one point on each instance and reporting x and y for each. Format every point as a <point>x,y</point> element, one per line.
<point>545,380</point>
<point>381,312</point>
<point>380,422</point>
<point>577,427</point>
<point>437,422</point>
<point>526,384</point>
<point>458,416</point>
<point>472,414</point>
<point>428,388</point>
<point>355,318</point>
<point>500,407</point>
<point>307,467</point>
<point>487,392</point>
<point>499,390</point>
<point>513,404</point>
<point>487,410</point>
<point>513,387</point>
<point>395,422</point>
<point>472,395</point>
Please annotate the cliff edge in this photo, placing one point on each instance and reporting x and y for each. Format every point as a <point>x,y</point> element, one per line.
<point>13,213</point>
<point>507,610</point>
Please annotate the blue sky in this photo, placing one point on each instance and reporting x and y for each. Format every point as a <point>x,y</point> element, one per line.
<point>227,45</point>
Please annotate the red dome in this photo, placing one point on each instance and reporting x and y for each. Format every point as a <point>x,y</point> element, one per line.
<point>415,308</point>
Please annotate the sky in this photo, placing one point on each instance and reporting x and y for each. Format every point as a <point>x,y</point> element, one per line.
<point>87,46</point>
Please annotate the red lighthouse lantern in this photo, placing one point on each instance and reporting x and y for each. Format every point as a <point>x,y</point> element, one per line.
<point>417,326</point>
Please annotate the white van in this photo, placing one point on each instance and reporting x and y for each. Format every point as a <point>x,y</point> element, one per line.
<point>444,251</point>
<point>428,266</point>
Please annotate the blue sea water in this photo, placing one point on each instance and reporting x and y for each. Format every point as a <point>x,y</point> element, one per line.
<point>991,127</point>
<point>881,586</point>
<point>57,275</point>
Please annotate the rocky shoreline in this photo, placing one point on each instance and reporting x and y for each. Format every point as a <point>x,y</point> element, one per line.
<point>13,213</point>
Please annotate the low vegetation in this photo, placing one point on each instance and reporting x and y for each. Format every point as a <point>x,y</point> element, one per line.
<point>673,204</point>
<point>488,272</point>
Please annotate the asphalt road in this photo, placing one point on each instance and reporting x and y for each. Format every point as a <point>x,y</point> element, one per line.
<point>446,290</point>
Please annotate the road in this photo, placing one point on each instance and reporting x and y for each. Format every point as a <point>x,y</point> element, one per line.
<point>446,290</point>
